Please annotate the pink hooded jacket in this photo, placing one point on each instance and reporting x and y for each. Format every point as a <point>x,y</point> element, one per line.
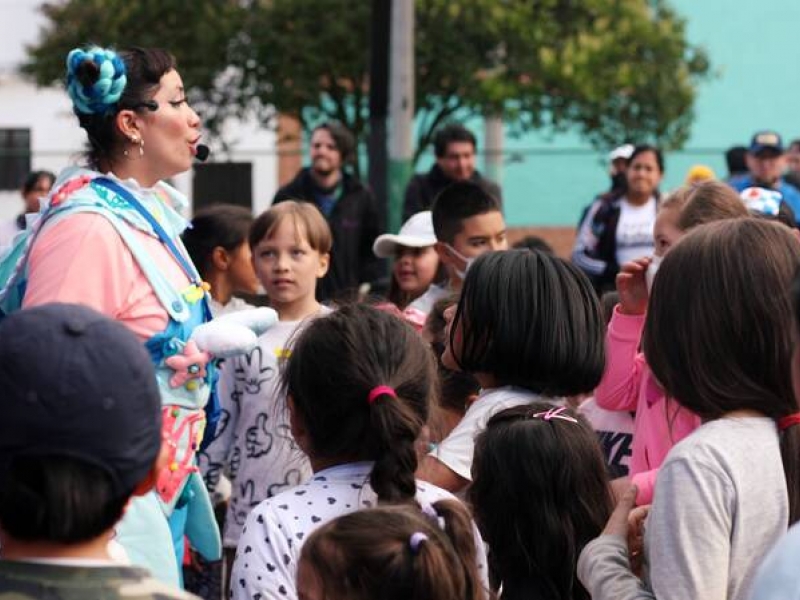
<point>628,385</point>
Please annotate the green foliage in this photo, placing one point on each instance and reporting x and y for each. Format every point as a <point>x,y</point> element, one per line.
<point>197,32</point>
<point>615,69</point>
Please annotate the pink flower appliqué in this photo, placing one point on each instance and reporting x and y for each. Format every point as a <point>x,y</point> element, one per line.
<point>188,366</point>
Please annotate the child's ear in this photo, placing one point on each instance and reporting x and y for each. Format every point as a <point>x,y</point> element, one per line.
<point>150,480</point>
<point>220,259</point>
<point>444,255</point>
<point>324,263</point>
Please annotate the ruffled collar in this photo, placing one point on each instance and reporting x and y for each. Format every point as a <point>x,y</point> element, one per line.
<point>162,200</point>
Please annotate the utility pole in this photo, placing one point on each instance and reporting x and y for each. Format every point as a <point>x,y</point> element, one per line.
<point>377,145</point>
<point>493,159</point>
<point>401,106</point>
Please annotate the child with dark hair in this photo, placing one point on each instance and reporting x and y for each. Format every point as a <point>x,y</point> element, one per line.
<point>533,242</point>
<point>290,245</point>
<point>217,244</point>
<point>528,325</point>
<point>728,491</point>
<point>80,435</point>
<point>393,553</point>
<point>540,494</point>
<point>457,389</point>
<point>468,222</point>
<point>416,268</point>
<point>36,186</point>
<point>359,384</point>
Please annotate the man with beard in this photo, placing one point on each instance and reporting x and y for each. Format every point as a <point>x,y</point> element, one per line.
<point>348,206</point>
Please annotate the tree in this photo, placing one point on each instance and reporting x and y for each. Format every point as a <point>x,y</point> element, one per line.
<point>197,32</point>
<point>615,69</point>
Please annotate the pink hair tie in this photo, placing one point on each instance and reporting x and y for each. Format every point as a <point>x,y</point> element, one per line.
<point>381,390</point>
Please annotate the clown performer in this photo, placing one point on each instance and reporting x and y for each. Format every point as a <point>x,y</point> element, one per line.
<point>108,237</point>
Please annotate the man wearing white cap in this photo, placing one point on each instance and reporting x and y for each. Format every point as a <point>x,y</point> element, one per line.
<point>617,163</point>
<point>416,274</point>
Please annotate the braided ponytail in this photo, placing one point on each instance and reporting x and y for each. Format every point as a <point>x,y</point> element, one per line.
<point>360,380</point>
<point>395,428</point>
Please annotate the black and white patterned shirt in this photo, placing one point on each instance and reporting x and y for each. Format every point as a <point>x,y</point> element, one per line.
<point>253,446</point>
<point>269,549</point>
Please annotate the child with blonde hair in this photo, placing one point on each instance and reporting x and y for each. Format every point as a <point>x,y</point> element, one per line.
<point>290,245</point>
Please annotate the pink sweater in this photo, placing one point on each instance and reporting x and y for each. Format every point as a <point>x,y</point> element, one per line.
<point>83,259</point>
<point>628,385</point>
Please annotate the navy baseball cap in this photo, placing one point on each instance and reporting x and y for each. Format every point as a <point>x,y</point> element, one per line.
<point>766,141</point>
<point>76,383</point>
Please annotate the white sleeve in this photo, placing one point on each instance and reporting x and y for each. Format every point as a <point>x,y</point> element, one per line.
<point>456,450</point>
<point>265,566</point>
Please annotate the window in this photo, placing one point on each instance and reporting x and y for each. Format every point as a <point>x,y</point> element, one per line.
<point>15,157</point>
<point>228,182</point>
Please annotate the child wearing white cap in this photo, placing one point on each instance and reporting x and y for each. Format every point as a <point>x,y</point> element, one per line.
<point>416,272</point>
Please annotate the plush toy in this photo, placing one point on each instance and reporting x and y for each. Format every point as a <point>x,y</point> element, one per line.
<point>235,333</point>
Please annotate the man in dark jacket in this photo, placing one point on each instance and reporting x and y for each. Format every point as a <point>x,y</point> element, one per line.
<point>454,147</point>
<point>348,206</point>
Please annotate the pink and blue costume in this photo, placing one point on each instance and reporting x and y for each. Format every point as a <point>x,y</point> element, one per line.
<point>100,242</point>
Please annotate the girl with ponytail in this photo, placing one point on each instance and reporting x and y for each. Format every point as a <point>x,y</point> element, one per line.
<point>359,387</point>
<point>393,553</point>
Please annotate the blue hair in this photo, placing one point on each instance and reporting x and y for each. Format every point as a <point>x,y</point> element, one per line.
<point>95,89</point>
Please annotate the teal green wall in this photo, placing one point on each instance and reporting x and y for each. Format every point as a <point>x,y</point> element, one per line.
<point>755,52</point>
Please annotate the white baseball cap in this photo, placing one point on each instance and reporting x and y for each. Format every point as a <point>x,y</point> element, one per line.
<point>417,232</point>
<point>623,151</point>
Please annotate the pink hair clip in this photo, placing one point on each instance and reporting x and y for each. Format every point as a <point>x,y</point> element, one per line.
<point>554,413</point>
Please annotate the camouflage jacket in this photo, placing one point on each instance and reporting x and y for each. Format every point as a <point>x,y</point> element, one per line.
<point>23,581</point>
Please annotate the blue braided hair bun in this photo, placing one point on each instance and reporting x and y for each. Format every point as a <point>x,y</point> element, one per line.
<point>95,80</point>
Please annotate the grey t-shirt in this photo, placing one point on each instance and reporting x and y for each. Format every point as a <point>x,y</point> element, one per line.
<point>720,504</point>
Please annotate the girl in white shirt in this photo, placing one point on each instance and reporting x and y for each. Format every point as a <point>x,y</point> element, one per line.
<point>528,326</point>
